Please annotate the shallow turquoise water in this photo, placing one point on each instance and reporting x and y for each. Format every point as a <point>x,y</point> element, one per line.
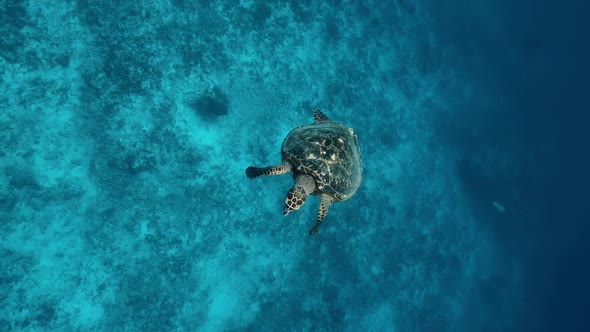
<point>126,127</point>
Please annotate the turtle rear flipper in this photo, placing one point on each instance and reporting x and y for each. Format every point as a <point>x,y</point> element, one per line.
<point>303,187</point>
<point>254,172</point>
<point>323,211</point>
<point>318,117</point>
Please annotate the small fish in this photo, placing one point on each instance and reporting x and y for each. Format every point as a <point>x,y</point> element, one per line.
<point>498,207</point>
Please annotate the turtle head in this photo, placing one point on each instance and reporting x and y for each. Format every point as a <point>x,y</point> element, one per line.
<point>295,199</point>
<point>303,187</point>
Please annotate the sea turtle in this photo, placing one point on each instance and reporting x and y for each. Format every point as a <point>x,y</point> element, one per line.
<point>325,160</point>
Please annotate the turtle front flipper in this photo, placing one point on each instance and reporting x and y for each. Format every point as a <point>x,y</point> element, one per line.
<point>254,172</point>
<point>303,187</point>
<point>324,205</point>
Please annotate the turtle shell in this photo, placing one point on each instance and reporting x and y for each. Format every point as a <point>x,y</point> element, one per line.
<point>329,152</point>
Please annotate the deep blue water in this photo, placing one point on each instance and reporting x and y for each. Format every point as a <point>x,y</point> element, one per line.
<point>126,127</point>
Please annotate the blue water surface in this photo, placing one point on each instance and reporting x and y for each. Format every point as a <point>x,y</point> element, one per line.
<point>126,127</point>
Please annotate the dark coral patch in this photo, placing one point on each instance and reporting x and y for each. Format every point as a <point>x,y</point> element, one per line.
<point>211,104</point>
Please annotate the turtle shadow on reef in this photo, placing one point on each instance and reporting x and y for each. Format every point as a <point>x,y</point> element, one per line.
<point>211,104</point>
